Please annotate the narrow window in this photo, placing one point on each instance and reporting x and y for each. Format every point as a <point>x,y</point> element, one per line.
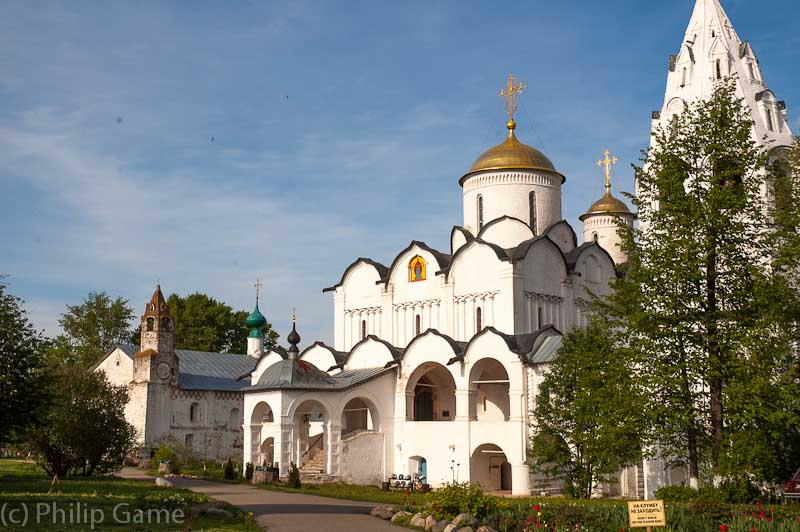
<point>189,440</point>
<point>770,124</point>
<point>417,325</point>
<point>150,324</point>
<point>683,77</point>
<point>752,71</point>
<point>719,69</point>
<point>194,412</point>
<point>532,208</point>
<point>540,316</point>
<point>594,237</point>
<point>363,329</point>
<point>478,320</point>
<point>480,212</point>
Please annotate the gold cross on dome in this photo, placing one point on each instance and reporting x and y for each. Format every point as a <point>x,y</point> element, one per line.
<point>509,92</point>
<point>607,162</point>
<point>258,286</point>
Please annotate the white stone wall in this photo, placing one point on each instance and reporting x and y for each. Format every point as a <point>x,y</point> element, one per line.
<point>362,457</point>
<point>604,227</point>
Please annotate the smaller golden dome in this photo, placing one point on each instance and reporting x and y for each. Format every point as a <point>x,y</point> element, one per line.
<point>608,204</point>
<point>511,155</point>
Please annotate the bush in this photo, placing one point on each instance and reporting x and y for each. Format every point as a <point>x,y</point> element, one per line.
<point>455,498</point>
<point>294,476</point>
<point>705,507</point>
<point>248,471</point>
<point>676,493</point>
<point>229,472</point>
<point>167,454</point>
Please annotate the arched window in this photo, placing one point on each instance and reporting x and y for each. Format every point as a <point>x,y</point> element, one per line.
<point>189,441</point>
<point>417,325</point>
<point>683,77</point>
<point>480,212</point>
<point>417,269</point>
<point>165,324</point>
<point>594,237</point>
<point>752,71</point>
<point>770,122</point>
<point>540,317</point>
<point>478,319</point>
<point>718,68</point>
<point>151,322</point>
<point>194,413</point>
<point>532,211</point>
<point>363,329</point>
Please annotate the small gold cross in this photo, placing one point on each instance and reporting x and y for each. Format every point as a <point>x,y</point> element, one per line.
<point>607,162</point>
<point>508,92</point>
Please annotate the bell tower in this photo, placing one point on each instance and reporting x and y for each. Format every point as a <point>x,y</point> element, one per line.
<point>158,327</point>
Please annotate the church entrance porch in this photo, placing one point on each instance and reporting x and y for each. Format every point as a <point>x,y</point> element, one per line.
<point>490,468</point>
<point>431,394</point>
<point>310,422</point>
<point>262,435</point>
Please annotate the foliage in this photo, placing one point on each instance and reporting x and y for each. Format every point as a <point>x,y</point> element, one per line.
<point>166,454</point>
<point>588,412</point>
<point>710,321</point>
<point>737,491</point>
<point>21,386</point>
<point>204,324</point>
<point>83,429</point>
<point>457,497</point>
<point>248,471</point>
<point>90,330</point>
<point>676,493</point>
<point>229,472</point>
<point>293,480</point>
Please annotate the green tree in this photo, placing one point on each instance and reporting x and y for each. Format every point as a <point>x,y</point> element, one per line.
<point>83,429</point>
<point>21,386</point>
<point>710,319</point>
<point>90,330</point>
<point>205,324</point>
<point>588,411</point>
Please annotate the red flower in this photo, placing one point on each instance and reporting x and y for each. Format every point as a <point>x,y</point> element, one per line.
<point>536,508</point>
<point>723,528</point>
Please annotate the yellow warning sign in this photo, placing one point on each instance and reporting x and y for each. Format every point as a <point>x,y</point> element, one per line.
<point>646,513</point>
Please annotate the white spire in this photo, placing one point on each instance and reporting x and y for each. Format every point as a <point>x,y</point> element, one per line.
<point>711,50</point>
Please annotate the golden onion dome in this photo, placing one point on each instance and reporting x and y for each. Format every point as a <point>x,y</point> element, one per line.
<point>608,204</point>
<point>511,154</point>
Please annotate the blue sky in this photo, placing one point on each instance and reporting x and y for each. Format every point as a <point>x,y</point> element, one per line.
<point>340,129</point>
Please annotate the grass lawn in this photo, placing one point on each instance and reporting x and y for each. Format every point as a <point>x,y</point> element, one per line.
<point>114,504</point>
<point>351,492</point>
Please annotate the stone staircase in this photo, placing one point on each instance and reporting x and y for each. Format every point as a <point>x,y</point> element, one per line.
<point>312,468</point>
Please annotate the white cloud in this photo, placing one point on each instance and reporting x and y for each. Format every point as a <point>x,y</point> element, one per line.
<point>124,229</point>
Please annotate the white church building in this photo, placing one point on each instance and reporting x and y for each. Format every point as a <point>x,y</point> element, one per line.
<point>437,357</point>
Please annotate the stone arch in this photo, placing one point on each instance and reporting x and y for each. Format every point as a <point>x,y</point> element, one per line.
<point>267,452</point>
<point>431,394</point>
<point>310,418</point>
<point>489,390</point>
<point>262,420</point>
<point>489,467</point>
<point>359,414</point>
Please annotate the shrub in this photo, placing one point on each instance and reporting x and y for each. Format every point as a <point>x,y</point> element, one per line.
<point>167,454</point>
<point>294,476</point>
<point>455,498</point>
<point>709,508</point>
<point>229,473</point>
<point>676,493</point>
<point>248,471</point>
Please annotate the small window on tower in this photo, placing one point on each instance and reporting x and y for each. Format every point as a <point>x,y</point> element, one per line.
<point>752,71</point>
<point>416,269</point>
<point>718,68</point>
<point>478,319</point>
<point>417,325</point>
<point>594,237</point>
<point>683,77</point>
<point>151,322</point>
<point>194,413</point>
<point>770,123</point>
<point>532,208</point>
<point>363,329</point>
<point>480,212</point>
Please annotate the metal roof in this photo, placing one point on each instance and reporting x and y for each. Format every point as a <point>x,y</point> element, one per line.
<point>288,375</point>
<point>201,370</point>
<point>547,351</point>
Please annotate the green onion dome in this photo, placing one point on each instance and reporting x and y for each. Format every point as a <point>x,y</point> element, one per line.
<point>255,321</point>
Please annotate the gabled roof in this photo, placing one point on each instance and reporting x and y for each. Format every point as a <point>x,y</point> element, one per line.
<point>442,259</point>
<point>532,348</point>
<point>397,352</point>
<point>380,268</point>
<point>457,347</point>
<point>499,220</point>
<point>338,356</point>
<point>465,232</point>
<point>498,251</point>
<point>291,375</point>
